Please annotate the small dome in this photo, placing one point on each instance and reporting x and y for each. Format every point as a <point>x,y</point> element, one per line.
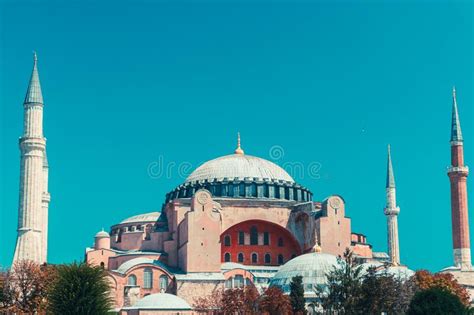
<point>162,301</point>
<point>239,166</point>
<point>102,234</point>
<point>313,267</point>
<point>145,217</point>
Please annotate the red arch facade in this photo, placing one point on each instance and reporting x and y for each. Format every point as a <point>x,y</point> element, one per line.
<point>270,239</point>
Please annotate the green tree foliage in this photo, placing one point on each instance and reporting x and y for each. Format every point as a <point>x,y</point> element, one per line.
<point>80,289</point>
<point>382,292</point>
<point>297,295</point>
<point>436,301</point>
<point>343,287</point>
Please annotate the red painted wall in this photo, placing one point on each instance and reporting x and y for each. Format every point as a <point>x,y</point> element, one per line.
<point>290,246</point>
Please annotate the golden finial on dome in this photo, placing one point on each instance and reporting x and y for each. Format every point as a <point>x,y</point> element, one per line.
<point>317,248</point>
<point>239,149</point>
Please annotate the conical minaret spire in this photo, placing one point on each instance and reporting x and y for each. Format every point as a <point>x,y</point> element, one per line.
<point>33,94</point>
<point>34,196</point>
<point>456,133</point>
<point>391,211</point>
<point>458,173</point>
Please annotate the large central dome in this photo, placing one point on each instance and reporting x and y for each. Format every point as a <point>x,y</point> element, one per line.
<point>239,166</point>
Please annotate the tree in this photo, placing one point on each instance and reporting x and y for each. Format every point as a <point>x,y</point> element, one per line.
<point>25,287</point>
<point>230,301</point>
<point>425,280</point>
<point>297,295</point>
<point>343,290</point>
<point>210,304</point>
<point>251,297</point>
<point>80,289</point>
<point>436,301</point>
<point>274,302</point>
<point>382,292</point>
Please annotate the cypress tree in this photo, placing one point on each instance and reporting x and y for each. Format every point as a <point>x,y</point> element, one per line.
<point>297,295</point>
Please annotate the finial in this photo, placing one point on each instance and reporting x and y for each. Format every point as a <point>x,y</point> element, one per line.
<point>454,91</point>
<point>35,57</point>
<point>317,248</point>
<point>239,149</point>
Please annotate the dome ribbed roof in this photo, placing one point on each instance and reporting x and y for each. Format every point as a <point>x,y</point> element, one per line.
<point>313,267</point>
<point>239,166</point>
<point>161,301</point>
<point>145,217</point>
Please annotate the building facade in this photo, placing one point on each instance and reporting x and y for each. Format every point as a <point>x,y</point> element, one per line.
<point>234,221</point>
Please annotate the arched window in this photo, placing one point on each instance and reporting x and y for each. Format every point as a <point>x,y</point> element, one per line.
<point>268,258</point>
<point>227,240</point>
<point>253,235</point>
<point>148,278</point>
<point>281,261</point>
<point>266,238</point>
<point>227,257</point>
<point>238,281</point>
<point>254,258</point>
<point>280,242</point>
<point>132,280</point>
<point>148,232</point>
<point>102,265</point>
<point>241,238</point>
<point>240,257</point>
<point>163,283</point>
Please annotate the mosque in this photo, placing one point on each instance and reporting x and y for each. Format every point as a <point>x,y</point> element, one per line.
<point>236,220</point>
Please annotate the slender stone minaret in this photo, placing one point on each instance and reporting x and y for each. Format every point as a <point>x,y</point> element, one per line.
<point>34,196</point>
<point>391,211</point>
<point>457,173</point>
<point>45,205</point>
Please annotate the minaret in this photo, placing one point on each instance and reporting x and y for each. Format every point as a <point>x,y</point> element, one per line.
<point>31,243</point>
<point>457,173</point>
<point>391,211</point>
<point>45,205</point>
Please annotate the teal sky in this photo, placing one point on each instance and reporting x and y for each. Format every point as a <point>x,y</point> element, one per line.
<point>331,83</point>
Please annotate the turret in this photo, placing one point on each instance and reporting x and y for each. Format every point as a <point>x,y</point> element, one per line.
<point>102,240</point>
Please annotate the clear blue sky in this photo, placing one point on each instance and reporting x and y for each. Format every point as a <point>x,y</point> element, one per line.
<point>329,82</point>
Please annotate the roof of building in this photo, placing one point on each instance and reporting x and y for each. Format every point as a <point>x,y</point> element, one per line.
<point>34,94</point>
<point>239,166</point>
<point>399,272</point>
<point>102,234</point>
<point>161,301</point>
<point>126,266</point>
<point>144,217</point>
<point>313,267</point>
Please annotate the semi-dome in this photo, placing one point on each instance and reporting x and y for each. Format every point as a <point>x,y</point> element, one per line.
<point>239,166</point>
<point>144,217</point>
<point>162,301</point>
<point>313,267</point>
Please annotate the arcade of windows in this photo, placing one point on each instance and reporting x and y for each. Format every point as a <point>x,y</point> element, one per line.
<point>148,280</point>
<point>267,258</point>
<point>253,238</point>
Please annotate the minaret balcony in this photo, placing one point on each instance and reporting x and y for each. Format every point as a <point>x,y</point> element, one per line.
<point>464,170</point>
